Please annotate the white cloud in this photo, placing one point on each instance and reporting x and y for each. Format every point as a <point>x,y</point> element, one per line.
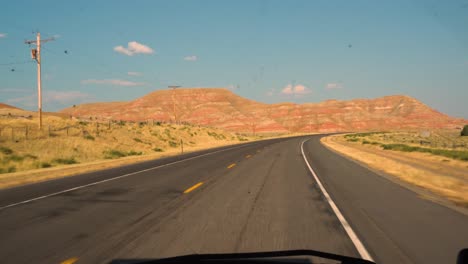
<point>3,35</point>
<point>191,58</point>
<point>122,50</point>
<point>134,73</point>
<point>112,82</point>
<point>334,85</point>
<point>298,89</point>
<point>134,47</point>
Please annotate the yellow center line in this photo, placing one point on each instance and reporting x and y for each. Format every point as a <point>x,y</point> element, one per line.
<point>232,165</point>
<point>193,187</point>
<point>69,261</point>
<point>248,156</point>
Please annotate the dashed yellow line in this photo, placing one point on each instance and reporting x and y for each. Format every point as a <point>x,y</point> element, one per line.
<point>193,187</point>
<point>232,165</point>
<point>69,261</point>
<point>248,156</point>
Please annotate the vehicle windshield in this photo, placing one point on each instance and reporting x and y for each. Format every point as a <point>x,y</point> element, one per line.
<point>153,129</point>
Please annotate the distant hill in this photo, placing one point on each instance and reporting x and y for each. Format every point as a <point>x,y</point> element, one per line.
<point>2,105</point>
<point>222,108</point>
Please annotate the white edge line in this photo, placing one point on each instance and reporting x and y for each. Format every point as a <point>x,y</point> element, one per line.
<point>352,235</point>
<point>115,178</point>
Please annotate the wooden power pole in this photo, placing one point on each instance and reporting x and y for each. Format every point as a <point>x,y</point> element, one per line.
<point>36,55</point>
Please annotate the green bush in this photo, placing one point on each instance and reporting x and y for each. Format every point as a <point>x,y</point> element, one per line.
<point>29,156</point>
<point>134,153</point>
<point>454,154</point>
<point>11,169</point>
<point>158,149</point>
<point>45,165</point>
<point>65,161</point>
<point>113,154</point>
<point>464,131</point>
<point>364,142</point>
<point>14,157</point>
<point>352,139</point>
<point>173,144</point>
<point>6,150</point>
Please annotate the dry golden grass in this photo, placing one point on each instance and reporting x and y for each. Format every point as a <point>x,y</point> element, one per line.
<point>89,147</point>
<point>442,176</point>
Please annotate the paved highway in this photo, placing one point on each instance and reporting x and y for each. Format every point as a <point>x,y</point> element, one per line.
<point>259,196</point>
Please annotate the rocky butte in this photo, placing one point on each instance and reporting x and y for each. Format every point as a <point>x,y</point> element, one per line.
<point>222,108</point>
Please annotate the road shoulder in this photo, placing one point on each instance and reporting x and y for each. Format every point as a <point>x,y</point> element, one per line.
<point>401,168</point>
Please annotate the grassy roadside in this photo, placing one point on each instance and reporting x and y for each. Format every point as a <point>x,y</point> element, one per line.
<point>445,177</point>
<point>67,146</point>
<point>459,145</point>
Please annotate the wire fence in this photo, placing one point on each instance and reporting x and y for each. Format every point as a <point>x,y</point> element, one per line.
<point>82,128</point>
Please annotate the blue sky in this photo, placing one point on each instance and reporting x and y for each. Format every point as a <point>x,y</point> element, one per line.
<point>269,51</point>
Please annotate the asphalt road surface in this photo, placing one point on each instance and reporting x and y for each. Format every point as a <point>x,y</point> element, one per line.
<point>259,196</point>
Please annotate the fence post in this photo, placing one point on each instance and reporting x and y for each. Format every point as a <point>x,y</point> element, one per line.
<point>67,131</point>
<point>109,124</point>
<point>182,146</point>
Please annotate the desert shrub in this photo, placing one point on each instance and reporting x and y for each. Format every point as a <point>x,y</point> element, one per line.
<point>14,157</point>
<point>138,140</point>
<point>134,153</point>
<point>66,161</point>
<point>6,150</point>
<point>173,144</point>
<point>45,165</point>
<point>30,156</point>
<point>454,154</point>
<point>352,139</point>
<point>464,131</point>
<point>364,142</point>
<point>11,169</point>
<point>158,149</point>
<point>89,137</point>
<point>113,154</point>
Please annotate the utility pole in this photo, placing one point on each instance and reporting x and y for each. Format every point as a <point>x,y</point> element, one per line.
<point>173,100</point>
<point>36,55</point>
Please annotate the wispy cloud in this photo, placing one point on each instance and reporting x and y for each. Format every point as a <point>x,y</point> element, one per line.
<point>191,58</point>
<point>298,89</point>
<point>133,48</point>
<point>233,87</point>
<point>3,35</point>
<point>116,82</point>
<point>14,90</point>
<point>134,73</point>
<point>334,85</point>
<point>65,97</point>
<point>51,99</point>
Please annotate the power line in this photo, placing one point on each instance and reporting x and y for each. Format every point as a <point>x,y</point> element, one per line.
<point>16,63</point>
